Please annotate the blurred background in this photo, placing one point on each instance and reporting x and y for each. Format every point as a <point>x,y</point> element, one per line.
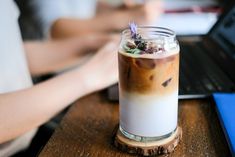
<point>185,17</point>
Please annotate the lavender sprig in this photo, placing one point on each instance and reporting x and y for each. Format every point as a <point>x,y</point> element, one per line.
<point>138,46</point>
<point>133,29</point>
<point>134,34</point>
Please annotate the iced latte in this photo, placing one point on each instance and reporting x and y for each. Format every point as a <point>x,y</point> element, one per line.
<point>148,83</point>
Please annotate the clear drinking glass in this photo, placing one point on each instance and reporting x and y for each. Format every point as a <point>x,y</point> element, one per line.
<point>148,83</point>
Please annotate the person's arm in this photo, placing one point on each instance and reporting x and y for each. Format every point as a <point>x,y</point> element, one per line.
<point>114,20</point>
<point>26,109</point>
<point>49,56</point>
<point>67,27</point>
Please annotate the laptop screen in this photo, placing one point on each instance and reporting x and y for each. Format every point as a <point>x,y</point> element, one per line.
<point>224,32</point>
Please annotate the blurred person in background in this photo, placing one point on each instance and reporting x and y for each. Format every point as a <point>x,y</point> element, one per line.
<point>24,106</point>
<point>66,18</point>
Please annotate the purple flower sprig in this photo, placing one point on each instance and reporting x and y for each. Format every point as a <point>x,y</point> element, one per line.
<point>133,29</point>
<point>136,36</point>
<point>137,46</point>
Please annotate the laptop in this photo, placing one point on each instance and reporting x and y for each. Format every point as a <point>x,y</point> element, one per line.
<point>207,63</point>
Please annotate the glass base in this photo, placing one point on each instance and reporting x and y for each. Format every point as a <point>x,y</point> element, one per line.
<point>142,138</point>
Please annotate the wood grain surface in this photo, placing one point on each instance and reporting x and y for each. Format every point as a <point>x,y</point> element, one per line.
<point>87,130</point>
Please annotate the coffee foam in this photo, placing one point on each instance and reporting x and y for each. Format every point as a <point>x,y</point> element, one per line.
<point>170,48</point>
<point>158,55</point>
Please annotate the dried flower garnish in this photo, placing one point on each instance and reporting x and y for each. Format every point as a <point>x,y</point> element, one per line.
<point>142,45</point>
<point>133,29</point>
<point>132,50</point>
<point>165,84</point>
<point>131,45</point>
<point>137,45</point>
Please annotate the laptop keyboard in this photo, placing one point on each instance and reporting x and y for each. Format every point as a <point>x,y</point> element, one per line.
<point>199,74</point>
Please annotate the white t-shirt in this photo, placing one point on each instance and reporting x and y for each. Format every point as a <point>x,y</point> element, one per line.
<point>14,72</point>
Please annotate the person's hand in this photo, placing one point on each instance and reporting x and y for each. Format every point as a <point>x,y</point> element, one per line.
<point>96,41</point>
<point>133,3</point>
<point>145,14</point>
<point>101,70</point>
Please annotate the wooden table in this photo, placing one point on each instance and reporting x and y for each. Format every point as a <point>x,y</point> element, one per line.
<point>87,128</point>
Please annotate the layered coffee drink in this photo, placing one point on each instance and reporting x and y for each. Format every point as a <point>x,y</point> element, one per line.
<point>148,83</point>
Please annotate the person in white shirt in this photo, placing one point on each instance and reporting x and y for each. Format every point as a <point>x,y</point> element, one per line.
<point>66,18</point>
<point>24,107</point>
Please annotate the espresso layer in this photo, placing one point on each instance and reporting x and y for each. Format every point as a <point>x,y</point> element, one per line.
<point>149,76</point>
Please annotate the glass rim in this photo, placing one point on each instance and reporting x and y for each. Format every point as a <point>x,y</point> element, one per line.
<point>162,31</point>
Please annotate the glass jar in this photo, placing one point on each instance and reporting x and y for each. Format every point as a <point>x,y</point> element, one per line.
<point>148,83</point>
